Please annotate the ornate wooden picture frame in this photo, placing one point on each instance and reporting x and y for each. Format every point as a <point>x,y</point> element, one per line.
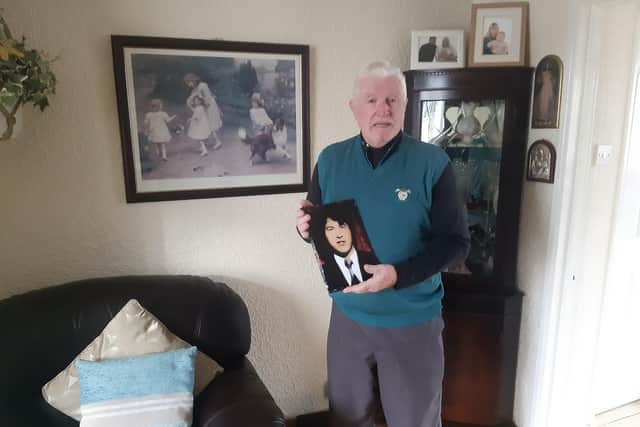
<point>203,118</point>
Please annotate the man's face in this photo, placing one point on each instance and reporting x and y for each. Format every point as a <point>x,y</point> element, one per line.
<point>379,109</point>
<point>338,236</point>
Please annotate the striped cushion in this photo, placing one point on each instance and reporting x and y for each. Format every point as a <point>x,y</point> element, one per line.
<point>132,332</point>
<point>154,390</point>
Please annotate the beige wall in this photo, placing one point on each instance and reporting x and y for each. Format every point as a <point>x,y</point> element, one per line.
<point>548,35</point>
<point>63,214</point>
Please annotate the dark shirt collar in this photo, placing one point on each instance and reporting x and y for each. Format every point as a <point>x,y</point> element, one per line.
<point>377,155</point>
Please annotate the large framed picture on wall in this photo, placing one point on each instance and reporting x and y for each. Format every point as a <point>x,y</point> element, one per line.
<point>203,118</point>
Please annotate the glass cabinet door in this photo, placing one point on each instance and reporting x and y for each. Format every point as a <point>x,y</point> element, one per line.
<point>471,134</point>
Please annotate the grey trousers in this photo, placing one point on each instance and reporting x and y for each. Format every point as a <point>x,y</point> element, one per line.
<point>406,365</point>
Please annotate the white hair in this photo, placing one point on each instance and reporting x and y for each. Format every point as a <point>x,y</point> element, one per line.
<point>380,69</point>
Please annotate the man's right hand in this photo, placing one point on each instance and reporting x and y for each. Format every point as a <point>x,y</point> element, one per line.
<point>303,218</point>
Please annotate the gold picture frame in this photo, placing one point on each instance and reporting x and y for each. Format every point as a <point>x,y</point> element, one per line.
<point>498,34</point>
<point>547,93</point>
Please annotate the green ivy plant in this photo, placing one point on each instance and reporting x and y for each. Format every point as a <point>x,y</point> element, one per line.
<point>25,77</point>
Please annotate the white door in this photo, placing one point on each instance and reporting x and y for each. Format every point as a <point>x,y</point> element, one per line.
<point>617,374</point>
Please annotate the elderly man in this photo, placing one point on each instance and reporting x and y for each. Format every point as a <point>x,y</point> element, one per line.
<point>387,330</point>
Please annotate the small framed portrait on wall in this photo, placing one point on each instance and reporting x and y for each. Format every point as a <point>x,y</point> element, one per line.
<point>498,34</point>
<point>547,93</point>
<point>432,49</point>
<point>541,162</point>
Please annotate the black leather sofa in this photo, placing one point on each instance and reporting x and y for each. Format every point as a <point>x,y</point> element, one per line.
<point>43,330</point>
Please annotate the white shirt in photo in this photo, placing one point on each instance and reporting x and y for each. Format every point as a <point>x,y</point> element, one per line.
<point>355,267</point>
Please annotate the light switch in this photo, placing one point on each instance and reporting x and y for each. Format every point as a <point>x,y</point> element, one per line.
<point>603,154</point>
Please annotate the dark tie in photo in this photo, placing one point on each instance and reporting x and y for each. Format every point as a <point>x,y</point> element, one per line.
<point>354,279</point>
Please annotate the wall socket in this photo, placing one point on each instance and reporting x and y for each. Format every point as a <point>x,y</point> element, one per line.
<point>603,154</point>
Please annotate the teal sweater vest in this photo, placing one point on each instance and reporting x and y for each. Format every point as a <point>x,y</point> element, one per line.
<point>394,200</point>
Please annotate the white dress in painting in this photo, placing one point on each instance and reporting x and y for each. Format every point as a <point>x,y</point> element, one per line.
<point>156,123</point>
<point>199,128</point>
<point>212,111</point>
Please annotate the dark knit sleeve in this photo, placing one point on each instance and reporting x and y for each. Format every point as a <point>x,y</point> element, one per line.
<point>449,240</point>
<point>313,195</point>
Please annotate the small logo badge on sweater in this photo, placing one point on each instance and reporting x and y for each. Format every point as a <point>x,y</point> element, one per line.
<point>403,193</point>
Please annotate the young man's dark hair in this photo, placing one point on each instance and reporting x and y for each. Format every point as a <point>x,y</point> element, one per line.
<point>340,212</point>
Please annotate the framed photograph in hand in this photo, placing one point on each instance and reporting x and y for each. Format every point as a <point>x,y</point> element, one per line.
<point>341,244</point>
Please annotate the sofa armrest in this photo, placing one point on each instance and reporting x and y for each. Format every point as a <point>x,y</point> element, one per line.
<point>238,397</point>
<point>32,410</point>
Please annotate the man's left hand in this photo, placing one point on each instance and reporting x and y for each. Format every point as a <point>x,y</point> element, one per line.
<point>384,276</point>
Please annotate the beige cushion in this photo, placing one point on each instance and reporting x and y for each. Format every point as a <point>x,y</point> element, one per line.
<point>132,332</point>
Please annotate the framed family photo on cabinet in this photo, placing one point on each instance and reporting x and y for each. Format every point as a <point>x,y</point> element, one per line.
<point>203,118</point>
<point>498,34</point>
<point>432,49</point>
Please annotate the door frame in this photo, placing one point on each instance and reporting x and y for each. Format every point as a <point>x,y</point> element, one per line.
<point>571,313</point>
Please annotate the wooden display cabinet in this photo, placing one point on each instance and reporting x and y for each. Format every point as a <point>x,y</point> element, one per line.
<point>480,117</point>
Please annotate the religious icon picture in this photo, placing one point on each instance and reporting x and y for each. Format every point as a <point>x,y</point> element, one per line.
<point>541,162</point>
<point>547,93</point>
<point>341,245</point>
